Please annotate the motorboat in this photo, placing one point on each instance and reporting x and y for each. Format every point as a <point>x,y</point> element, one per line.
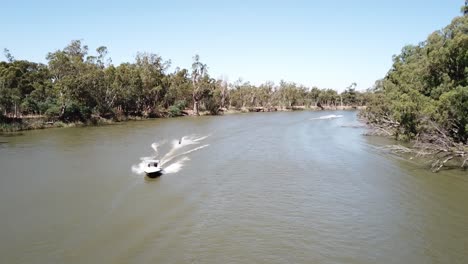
<point>152,168</point>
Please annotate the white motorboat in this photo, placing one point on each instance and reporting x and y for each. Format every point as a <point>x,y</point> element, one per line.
<point>152,168</point>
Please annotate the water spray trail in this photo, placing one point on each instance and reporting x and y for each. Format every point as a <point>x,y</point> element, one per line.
<point>171,154</point>
<point>176,166</point>
<point>183,142</point>
<point>155,147</point>
<point>201,138</point>
<point>327,117</point>
<point>164,161</point>
<point>139,168</point>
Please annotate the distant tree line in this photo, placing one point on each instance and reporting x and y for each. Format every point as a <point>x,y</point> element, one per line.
<point>76,85</point>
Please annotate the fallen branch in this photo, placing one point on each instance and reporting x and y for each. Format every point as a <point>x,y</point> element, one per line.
<point>438,164</point>
<point>433,142</point>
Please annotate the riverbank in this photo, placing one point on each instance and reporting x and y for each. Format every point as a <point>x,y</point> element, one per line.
<point>8,125</point>
<point>293,108</point>
<point>23,124</point>
<point>435,148</point>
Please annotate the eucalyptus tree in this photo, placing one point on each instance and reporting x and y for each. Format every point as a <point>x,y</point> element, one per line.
<point>77,84</point>
<point>21,84</point>
<point>313,95</point>
<point>325,97</point>
<point>212,95</point>
<point>199,77</point>
<point>426,89</point>
<point>8,56</point>
<point>465,8</point>
<point>240,94</point>
<point>152,69</point>
<point>180,88</point>
<point>265,94</point>
<point>224,92</point>
<point>128,84</point>
<point>349,96</point>
<point>66,67</point>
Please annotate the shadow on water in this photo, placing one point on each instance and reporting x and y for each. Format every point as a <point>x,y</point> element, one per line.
<point>153,177</point>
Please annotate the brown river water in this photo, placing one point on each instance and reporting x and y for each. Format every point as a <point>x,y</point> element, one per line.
<point>283,187</point>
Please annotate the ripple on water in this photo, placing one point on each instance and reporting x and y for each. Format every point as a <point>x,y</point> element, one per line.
<point>270,188</point>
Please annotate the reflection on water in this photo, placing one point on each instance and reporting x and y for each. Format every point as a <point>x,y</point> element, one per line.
<point>271,188</point>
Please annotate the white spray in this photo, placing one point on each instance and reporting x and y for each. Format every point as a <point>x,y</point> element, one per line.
<point>178,150</point>
<point>327,117</point>
<point>176,166</point>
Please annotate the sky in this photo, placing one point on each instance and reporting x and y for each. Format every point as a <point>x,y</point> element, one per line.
<point>328,44</point>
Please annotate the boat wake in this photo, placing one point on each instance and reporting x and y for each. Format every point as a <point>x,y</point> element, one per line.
<point>174,159</point>
<point>327,117</point>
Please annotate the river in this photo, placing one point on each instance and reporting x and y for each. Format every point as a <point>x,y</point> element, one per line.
<point>284,187</point>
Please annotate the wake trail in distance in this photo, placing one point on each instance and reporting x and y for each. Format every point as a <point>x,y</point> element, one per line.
<point>327,117</point>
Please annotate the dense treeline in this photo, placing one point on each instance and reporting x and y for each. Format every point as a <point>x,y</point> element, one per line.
<point>77,86</point>
<point>424,96</point>
<point>427,86</point>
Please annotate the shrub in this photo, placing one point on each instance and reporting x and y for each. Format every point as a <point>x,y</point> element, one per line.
<point>53,112</point>
<point>74,112</point>
<point>176,109</point>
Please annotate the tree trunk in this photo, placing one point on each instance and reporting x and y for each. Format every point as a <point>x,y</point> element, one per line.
<point>63,105</point>
<point>320,105</point>
<point>195,106</point>
<point>223,96</point>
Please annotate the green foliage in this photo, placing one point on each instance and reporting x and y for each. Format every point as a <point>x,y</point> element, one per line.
<point>427,86</point>
<point>350,96</point>
<point>328,97</point>
<point>53,112</point>
<point>29,106</point>
<point>176,110</point>
<point>454,112</point>
<point>78,84</point>
<point>74,112</point>
<point>212,98</point>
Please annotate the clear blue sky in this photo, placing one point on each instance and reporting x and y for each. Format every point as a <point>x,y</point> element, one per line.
<point>329,44</point>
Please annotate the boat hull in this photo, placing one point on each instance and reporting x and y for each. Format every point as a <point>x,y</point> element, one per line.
<point>153,175</point>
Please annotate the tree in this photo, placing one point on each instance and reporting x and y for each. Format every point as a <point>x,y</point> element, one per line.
<point>8,55</point>
<point>65,67</point>
<point>180,88</point>
<point>224,93</point>
<point>199,74</point>
<point>425,91</point>
<point>152,69</point>
<point>20,83</point>
<point>349,96</point>
<point>81,85</point>
<point>127,84</point>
